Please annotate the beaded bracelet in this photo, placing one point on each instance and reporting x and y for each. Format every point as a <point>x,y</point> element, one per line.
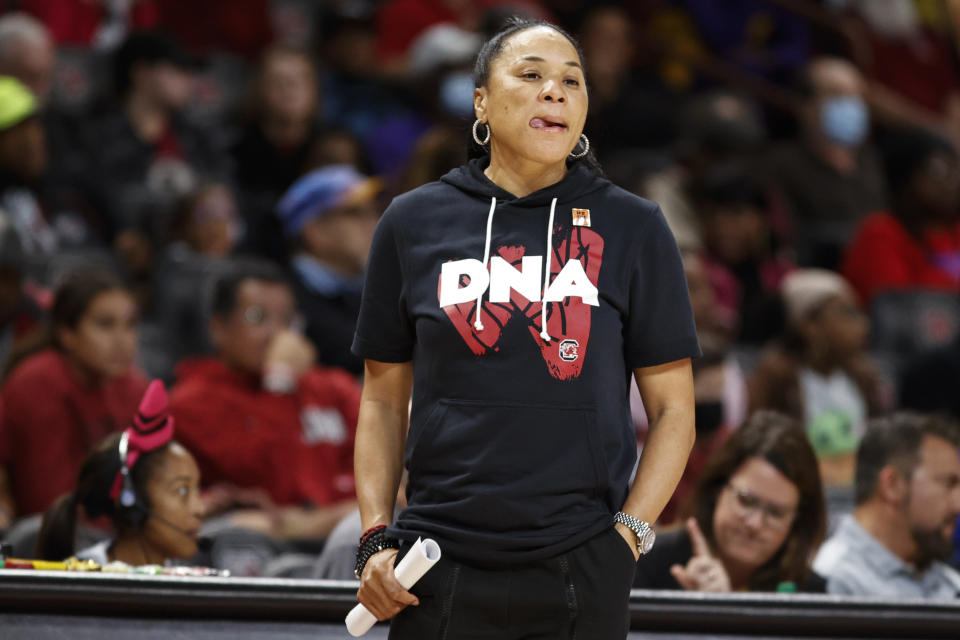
<point>371,543</point>
<point>372,530</point>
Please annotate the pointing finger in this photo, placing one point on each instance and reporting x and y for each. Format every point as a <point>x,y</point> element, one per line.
<point>697,539</point>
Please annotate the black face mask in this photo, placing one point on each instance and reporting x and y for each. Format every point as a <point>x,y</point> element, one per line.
<point>709,417</point>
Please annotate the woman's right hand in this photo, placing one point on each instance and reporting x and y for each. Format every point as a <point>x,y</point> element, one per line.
<point>703,571</point>
<point>379,590</point>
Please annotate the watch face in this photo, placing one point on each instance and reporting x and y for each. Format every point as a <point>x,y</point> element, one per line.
<point>646,541</point>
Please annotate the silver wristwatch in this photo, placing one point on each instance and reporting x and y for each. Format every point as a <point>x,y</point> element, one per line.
<point>645,533</point>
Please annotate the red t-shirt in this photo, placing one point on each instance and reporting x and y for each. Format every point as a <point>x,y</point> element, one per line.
<point>298,447</point>
<point>50,422</point>
<point>883,255</point>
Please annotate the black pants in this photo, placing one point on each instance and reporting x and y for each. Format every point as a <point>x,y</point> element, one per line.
<point>583,594</point>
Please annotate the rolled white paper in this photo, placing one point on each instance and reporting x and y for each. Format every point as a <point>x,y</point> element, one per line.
<point>421,557</point>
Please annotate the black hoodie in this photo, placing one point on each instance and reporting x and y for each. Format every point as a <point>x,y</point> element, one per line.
<point>521,444</point>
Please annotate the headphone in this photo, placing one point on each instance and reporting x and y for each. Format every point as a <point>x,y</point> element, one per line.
<point>132,510</point>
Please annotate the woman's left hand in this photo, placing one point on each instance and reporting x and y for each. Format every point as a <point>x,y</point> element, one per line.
<point>703,571</point>
<point>630,537</point>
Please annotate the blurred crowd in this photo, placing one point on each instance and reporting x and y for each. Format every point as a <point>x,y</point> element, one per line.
<point>189,194</point>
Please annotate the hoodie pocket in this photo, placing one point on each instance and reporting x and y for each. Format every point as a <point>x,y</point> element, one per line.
<point>509,466</point>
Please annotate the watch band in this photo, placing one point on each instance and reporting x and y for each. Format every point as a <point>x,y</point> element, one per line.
<point>645,533</point>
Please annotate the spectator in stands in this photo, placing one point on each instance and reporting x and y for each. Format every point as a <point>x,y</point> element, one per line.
<point>756,519</point>
<point>23,161</point>
<point>916,244</point>
<point>719,387</point>
<point>907,52</point>
<point>437,152</point>
<point>100,25</point>
<point>207,222</point>
<point>715,334</point>
<point>399,22</point>
<point>627,110</point>
<point>353,92</point>
<point>22,304</point>
<point>27,53</point>
<point>328,217</point>
<point>155,511</point>
<point>928,381</point>
<point>831,177</point>
<point>739,256</point>
<point>205,231</point>
<point>336,145</point>
<point>155,155</point>
<point>819,373</point>
<point>261,415</point>
<point>60,402</point>
<point>386,114</point>
<point>276,141</point>
<point>242,27</point>
<point>897,542</point>
<point>715,127</point>
<point>440,63</point>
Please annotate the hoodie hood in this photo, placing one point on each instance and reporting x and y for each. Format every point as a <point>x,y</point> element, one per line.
<point>578,181</point>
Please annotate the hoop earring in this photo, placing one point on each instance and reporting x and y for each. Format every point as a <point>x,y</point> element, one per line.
<point>586,147</point>
<point>476,136</point>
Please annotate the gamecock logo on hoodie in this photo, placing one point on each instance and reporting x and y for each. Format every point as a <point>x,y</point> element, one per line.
<point>512,288</point>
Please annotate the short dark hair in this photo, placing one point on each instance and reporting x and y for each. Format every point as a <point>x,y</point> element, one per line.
<point>146,47</point>
<point>781,441</point>
<point>223,297</point>
<point>895,440</point>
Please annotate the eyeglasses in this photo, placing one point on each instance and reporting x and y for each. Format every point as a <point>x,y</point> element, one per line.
<point>746,504</point>
<point>255,316</point>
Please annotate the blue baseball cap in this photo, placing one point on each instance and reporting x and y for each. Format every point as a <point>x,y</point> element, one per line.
<point>321,190</point>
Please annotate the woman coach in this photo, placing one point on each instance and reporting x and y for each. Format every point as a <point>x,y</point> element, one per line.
<point>514,298</point>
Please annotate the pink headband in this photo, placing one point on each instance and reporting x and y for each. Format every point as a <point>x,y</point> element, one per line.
<point>150,429</point>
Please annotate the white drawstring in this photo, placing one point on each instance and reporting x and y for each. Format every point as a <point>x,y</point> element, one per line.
<point>478,325</point>
<point>546,274</point>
